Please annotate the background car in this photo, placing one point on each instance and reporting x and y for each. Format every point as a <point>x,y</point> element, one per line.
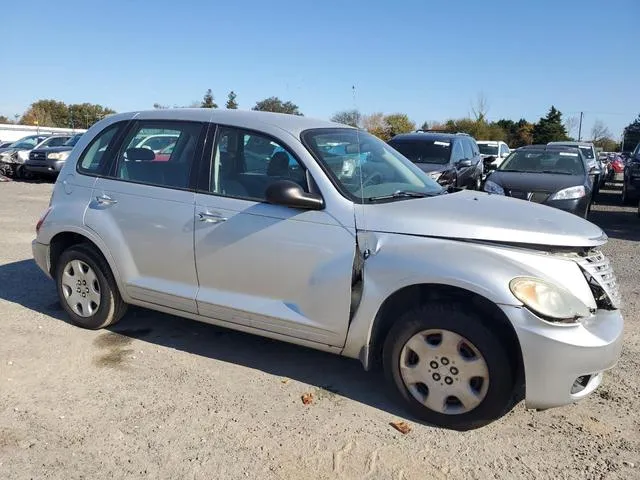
<point>49,160</point>
<point>451,159</point>
<point>4,144</point>
<point>631,178</point>
<point>11,158</point>
<point>616,168</point>
<point>556,176</point>
<point>492,152</point>
<point>588,151</point>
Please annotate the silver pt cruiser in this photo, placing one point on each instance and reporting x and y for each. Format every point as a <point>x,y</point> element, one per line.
<point>322,235</point>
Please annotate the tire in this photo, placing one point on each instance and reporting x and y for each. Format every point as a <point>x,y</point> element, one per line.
<point>100,304</point>
<point>495,397</point>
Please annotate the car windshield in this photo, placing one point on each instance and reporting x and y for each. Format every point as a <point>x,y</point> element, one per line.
<point>424,150</point>
<point>487,149</point>
<point>72,141</point>
<point>26,143</point>
<point>543,161</point>
<point>366,169</point>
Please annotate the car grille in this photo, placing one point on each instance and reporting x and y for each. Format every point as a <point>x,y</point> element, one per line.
<point>37,156</point>
<point>537,197</point>
<point>602,280</point>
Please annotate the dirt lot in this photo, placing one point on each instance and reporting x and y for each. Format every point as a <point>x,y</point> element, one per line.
<point>161,397</point>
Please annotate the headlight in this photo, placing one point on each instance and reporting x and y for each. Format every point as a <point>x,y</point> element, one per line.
<point>493,187</point>
<point>58,155</point>
<point>435,175</point>
<point>551,302</point>
<point>569,193</point>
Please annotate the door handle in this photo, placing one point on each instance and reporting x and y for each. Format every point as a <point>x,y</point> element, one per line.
<point>105,200</point>
<point>211,217</point>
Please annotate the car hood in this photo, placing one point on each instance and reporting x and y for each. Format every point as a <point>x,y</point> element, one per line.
<point>432,167</point>
<point>535,182</point>
<point>479,216</point>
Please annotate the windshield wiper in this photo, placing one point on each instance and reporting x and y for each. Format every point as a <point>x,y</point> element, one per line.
<point>557,172</point>
<point>402,194</point>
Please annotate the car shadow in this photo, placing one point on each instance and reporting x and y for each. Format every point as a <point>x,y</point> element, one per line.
<point>23,283</point>
<point>620,224</point>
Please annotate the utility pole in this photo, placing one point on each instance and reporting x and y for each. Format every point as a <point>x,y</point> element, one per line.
<point>580,128</point>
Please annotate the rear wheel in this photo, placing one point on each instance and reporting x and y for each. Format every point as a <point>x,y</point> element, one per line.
<point>447,368</point>
<point>87,289</point>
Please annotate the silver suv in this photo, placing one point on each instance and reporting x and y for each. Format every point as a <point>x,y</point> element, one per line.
<point>322,235</point>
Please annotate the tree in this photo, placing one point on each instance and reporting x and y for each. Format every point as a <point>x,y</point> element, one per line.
<point>4,119</point>
<point>599,131</point>
<point>208,101</point>
<point>159,106</point>
<point>424,126</point>
<point>631,136</point>
<point>398,123</point>
<point>52,113</point>
<point>348,117</point>
<point>480,107</point>
<point>517,133</point>
<point>231,101</point>
<point>274,104</point>
<point>374,124</point>
<point>83,115</point>
<point>550,128</point>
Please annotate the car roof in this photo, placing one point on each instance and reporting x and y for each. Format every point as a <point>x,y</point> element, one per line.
<point>572,143</point>
<point>489,142</point>
<point>293,124</point>
<point>552,148</point>
<point>424,135</point>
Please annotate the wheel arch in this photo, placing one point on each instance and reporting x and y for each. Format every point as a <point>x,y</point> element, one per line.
<point>65,239</point>
<point>414,295</point>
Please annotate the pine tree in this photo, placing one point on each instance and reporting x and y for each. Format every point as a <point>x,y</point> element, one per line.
<point>207,101</point>
<point>231,101</point>
<point>550,128</point>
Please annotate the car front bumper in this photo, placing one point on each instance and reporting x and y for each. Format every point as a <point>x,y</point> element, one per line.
<point>555,357</point>
<point>41,256</point>
<point>47,166</point>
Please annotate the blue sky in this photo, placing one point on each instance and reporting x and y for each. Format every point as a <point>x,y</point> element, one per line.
<point>428,59</point>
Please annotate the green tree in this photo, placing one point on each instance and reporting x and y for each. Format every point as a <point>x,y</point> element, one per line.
<point>348,117</point>
<point>550,128</point>
<point>4,119</point>
<point>424,126</point>
<point>159,106</point>
<point>517,133</point>
<point>631,136</point>
<point>274,104</point>
<point>397,123</point>
<point>49,113</point>
<point>208,101</point>
<point>83,115</point>
<point>478,128</point>
<point>231,101</point>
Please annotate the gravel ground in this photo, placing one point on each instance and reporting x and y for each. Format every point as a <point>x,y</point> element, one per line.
<point>161,397</point>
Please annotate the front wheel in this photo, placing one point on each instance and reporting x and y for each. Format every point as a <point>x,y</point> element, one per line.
<point>447,368</point>
<point>87,289</point>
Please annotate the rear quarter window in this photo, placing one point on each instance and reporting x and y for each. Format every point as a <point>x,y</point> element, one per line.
<point>94,160</point>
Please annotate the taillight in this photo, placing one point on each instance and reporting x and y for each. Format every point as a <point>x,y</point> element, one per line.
<point>42,218</point>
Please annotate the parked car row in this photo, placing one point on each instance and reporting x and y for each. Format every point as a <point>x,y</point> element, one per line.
<point>323,235</point>
<point>14,155</point>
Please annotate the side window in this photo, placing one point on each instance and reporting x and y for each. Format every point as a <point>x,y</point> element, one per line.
<point>245,163</point>
<point>466,146</point>
<point>457,153</point>
<point>474,148</point>
<point>94,159</point>
<point>159,153</point>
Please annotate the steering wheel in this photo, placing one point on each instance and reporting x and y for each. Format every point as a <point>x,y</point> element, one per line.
<point>371,179</point>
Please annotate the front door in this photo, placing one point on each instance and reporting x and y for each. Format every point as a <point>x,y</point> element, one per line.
<point>265,266</point>
<point>144,212</point>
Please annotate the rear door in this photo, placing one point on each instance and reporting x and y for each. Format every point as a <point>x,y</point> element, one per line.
<point>143,210</point>
<point>458,154</point>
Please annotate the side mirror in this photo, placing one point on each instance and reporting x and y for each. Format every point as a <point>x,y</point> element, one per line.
<point>594,171</point>
<point>290,194</point>
<point>464,163</point>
